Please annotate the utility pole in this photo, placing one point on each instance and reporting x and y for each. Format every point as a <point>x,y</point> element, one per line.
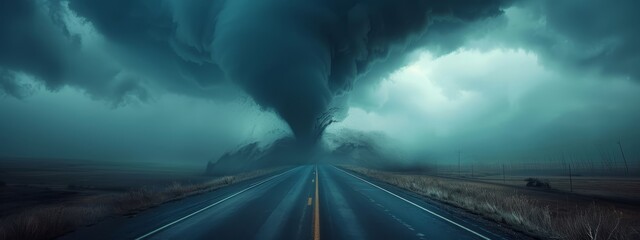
<point>570,179</point>
<point>436,166</point>
<point>624,158</point>
<point>459,172</point>
<point>472,170</point>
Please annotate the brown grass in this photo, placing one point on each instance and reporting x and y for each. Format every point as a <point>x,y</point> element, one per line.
<point>520,211</point>
<point>145,197</point>
<point>52,221</point>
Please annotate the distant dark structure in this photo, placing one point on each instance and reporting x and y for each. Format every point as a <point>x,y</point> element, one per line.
<point>534,182</point>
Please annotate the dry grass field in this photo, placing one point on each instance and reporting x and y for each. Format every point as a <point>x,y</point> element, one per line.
<point>47,202</point>
<point>36,182</point>
<point>552,213</point>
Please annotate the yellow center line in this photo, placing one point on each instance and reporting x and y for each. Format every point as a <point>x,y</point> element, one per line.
<point>316,221</point>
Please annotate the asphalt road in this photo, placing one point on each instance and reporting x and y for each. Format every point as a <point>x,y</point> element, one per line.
<point>284,206</point>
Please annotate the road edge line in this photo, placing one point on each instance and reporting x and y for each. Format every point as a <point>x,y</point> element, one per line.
<point>209,206</point>
<point>418,206</point>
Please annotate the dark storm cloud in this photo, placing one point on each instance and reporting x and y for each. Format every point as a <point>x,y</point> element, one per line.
<point>34,39</point>
<point>300,58</point>
<point>574,35</point>
<point>9,85</point>
<point>165,41</point>
<point>579,38</point>
<point>28,42</point>
<point>506,105</point>
<point>293,57</point>
<point>592,34</point>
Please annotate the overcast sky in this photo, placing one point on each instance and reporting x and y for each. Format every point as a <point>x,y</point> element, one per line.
<point>188,80</point>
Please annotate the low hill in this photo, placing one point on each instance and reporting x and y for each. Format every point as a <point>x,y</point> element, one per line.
<point>284,151</point>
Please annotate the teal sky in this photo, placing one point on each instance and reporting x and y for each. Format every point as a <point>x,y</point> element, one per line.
<point>187,81</point>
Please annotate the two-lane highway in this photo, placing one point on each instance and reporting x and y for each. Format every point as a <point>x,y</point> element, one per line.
<point>306,202</point>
